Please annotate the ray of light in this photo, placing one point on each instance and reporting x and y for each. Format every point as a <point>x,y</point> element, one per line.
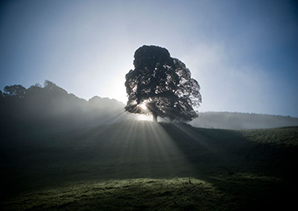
<point>145,149</point>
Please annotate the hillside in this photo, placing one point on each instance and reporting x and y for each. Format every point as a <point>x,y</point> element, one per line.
<point>52,106</point>
<point>60,152</point>
<point>90,166</point>
<point>239,121</point>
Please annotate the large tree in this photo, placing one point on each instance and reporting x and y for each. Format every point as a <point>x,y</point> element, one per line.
<point>161,85</point>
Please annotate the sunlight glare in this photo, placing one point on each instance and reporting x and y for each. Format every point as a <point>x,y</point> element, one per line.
<point>143,106</point>
<point>142,117</point>
<point>146,147</point>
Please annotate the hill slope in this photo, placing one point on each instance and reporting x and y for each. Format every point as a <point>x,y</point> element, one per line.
<point>239,121</point>
<point>52,106</point>
<point>58,151</point>
<point>246,168</point>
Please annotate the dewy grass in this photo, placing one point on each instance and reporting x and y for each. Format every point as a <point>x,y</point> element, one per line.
<point>135,194</point>
<point>102,169</point>
<point>287,136</point>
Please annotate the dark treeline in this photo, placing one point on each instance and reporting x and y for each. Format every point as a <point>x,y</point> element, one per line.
<point>51,106</point>
<point>233,120</point>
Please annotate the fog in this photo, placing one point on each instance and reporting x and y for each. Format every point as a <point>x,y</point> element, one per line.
<point>50,106</point>
<point>53,141</point>
<point>236,121</point>
<point>243,53</point>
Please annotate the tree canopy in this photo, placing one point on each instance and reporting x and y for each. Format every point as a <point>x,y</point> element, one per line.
<point>15,91</point>
<point>50,106</point>
<point>162,86</point>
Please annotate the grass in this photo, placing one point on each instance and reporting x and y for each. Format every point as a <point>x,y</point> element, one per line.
<point>238,192</point>
<point>135,194</point>
<point>287,136</point>
<point>145,166</point>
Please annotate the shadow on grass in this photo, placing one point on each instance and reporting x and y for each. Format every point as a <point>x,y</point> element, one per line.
<point>211,151</point>
<point>236,168</point>
<point>255,173</point>
<point>226,152</point>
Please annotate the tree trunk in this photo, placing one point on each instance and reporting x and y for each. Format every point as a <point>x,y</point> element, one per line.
<point>154,117</point>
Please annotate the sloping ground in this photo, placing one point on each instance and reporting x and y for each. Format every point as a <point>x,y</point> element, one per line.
<point>101,167</point>
<point>237,121</point>
<point>51,106</point>
<point>135,194</point>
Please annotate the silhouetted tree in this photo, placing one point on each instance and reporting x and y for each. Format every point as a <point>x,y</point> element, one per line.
<point>161,85</point>
<point>17,91</point>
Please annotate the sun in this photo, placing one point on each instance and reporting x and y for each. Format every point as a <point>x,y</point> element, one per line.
<point>145,111</point>
<point>143,106</point>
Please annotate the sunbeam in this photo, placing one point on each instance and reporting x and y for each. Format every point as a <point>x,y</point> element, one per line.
<point>143,109</point>
<point>143,106</point>
<point>143,117</point>
<point>138,149</point>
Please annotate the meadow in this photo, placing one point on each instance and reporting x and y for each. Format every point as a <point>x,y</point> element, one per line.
<point>137,165</point>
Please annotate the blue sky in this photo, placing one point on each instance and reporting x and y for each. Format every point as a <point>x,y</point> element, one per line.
<point>244,54</point>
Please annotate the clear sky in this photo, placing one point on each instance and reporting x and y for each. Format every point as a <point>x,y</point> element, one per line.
<point>244,54</point>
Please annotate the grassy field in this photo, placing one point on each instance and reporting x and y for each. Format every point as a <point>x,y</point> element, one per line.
<point>135,194</point>
<point>147,166</point>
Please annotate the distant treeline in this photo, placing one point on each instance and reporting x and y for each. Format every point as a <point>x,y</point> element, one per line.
<point>51,106</point>
<point>234,120</point>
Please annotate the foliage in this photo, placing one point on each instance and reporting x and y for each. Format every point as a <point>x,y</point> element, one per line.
<point>14,91</point>
<point>52,106</point>
<point>163,84</point>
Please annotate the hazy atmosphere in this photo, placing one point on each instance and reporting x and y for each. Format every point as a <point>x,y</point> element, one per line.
<point>216,80</point>
<point>243,53</point>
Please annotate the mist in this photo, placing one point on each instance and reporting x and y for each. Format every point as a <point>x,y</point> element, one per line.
<point>243,53</point>
<point>50,106</point>
<point>57,149</point>
<point>69,144</point>
<point>240,121</point>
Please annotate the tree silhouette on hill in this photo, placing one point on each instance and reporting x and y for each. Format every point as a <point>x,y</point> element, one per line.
<point>52,106</point>
<point>162,86</point>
